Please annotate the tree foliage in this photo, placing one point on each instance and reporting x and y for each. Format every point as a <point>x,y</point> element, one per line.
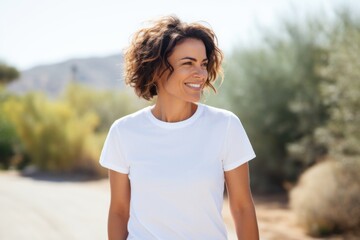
<point>274,89</point>
<point>283,91</point>
<point>7,74</point>
<point>342,91</point>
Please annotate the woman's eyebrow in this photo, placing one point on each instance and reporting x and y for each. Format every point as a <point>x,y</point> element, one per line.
<point>193,59</point>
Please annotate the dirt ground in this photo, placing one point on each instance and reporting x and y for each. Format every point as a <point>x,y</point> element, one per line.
<point>53,208</point>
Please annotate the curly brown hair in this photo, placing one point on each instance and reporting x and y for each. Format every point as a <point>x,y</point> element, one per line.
<point>151,47</point>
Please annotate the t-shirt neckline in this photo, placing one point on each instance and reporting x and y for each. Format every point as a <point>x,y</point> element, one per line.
<point>174,125</point>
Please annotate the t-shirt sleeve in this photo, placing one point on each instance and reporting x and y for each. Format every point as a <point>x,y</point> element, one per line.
<point>237,149</point>
<point>112,155</point>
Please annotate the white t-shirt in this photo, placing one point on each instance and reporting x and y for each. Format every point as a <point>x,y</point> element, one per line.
<point>176,171</point>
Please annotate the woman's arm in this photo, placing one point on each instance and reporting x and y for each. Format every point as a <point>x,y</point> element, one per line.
<point>119,206</point>
<point>241,203</point>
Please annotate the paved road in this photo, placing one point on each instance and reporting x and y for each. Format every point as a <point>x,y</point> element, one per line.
<point>53,210</point>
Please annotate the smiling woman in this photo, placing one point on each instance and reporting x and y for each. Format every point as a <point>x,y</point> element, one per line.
<point>168,162</point>
<point>186,81</point>
<point>155,45</point>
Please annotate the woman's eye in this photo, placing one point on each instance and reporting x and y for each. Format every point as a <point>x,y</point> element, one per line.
<point>204,65</point>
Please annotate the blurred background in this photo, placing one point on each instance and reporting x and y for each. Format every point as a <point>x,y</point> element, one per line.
<point>292,75</point>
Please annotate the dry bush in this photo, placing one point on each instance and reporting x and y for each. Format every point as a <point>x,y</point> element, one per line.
<point>327,197</point>
<point>54,136</point>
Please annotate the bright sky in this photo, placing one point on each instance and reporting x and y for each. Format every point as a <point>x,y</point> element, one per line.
<point>34,32</point>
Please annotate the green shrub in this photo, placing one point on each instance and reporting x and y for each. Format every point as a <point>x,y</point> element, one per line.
<point>53,135</point>
<point>326,199</point>
<point>10,144</point>
<point>8,141</point>
<point>62,135</point>
<point>108,105</point>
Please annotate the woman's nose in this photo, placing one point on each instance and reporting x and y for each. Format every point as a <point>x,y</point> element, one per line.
<point>201,73</point>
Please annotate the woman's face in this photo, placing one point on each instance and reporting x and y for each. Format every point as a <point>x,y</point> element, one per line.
<point>190,72</point>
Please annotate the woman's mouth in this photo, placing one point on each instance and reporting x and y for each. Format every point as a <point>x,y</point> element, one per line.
<point>195,86</point>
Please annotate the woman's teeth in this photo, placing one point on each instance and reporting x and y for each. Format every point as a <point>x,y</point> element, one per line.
<point>193,85</point>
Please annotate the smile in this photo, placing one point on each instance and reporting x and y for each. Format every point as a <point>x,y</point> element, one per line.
<point>193,85</point>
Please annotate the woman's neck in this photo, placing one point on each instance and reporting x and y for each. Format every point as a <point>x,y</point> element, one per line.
<point>173,111</point>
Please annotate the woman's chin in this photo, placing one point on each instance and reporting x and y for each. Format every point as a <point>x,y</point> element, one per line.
<point>194,99</point>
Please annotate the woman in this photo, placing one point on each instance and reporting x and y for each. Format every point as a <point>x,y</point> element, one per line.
<point>168,162</point>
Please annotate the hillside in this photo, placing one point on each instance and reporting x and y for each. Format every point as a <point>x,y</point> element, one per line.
<point>97,72</point>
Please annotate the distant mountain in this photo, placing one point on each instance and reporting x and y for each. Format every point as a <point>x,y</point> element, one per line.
<point>100,73</point>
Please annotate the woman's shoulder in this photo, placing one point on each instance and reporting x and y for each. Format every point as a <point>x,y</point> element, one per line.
<point>218,113</point>
<point>134,118</point>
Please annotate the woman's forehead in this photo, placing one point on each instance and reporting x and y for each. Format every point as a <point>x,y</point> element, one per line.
<point>189,48</point>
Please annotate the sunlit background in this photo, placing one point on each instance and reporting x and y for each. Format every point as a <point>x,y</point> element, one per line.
<point>292,75</point>
<point>35,32</point>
